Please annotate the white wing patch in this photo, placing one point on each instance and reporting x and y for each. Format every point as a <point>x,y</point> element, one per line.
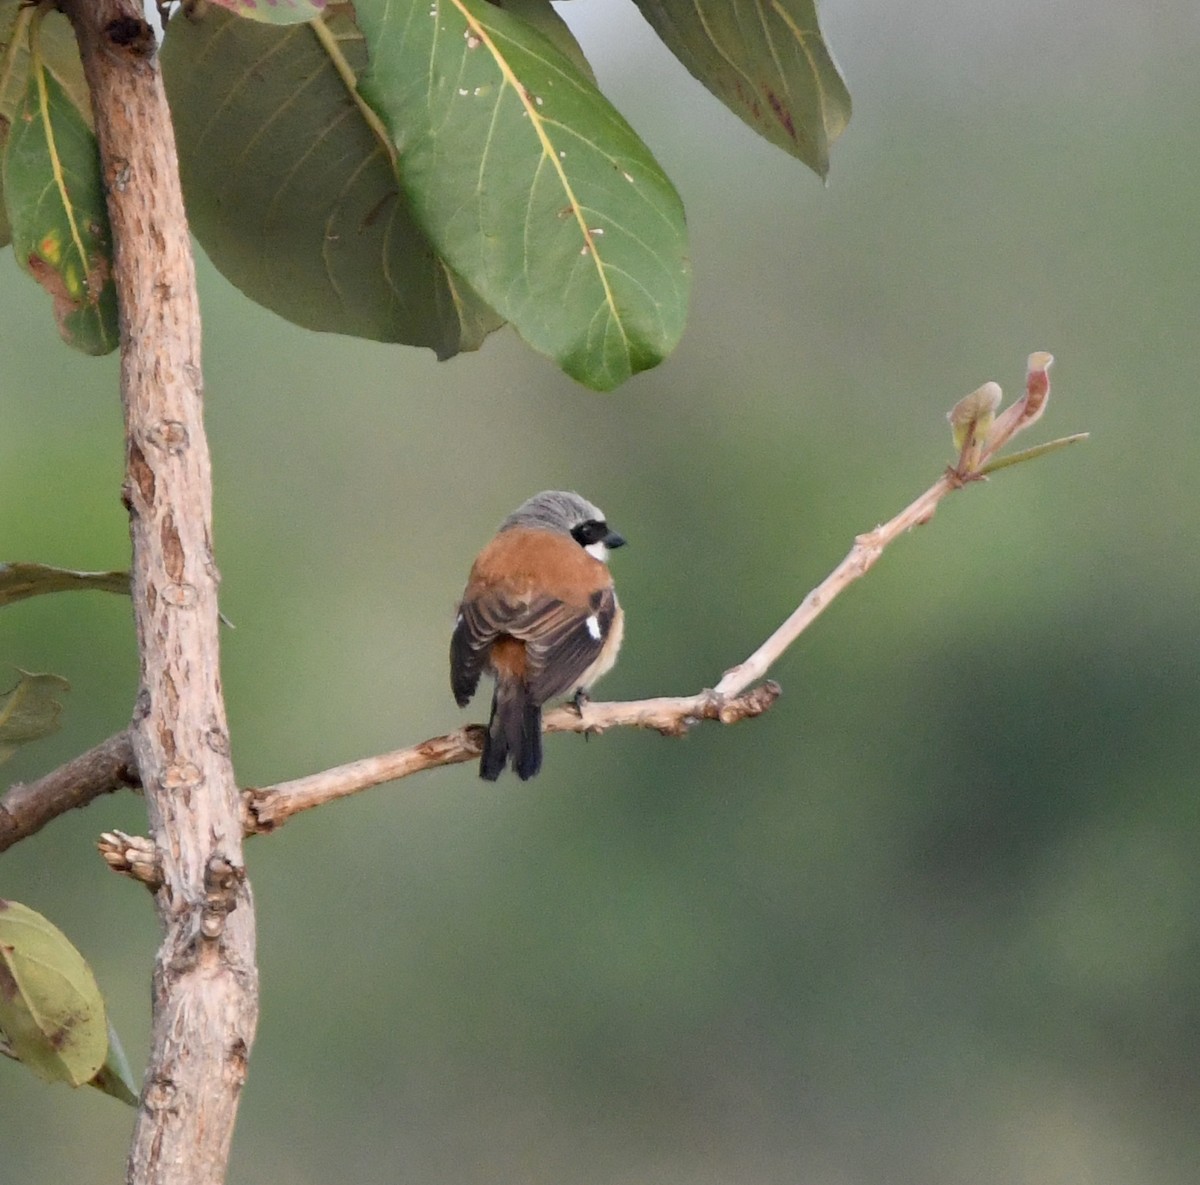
<point>593,626</point>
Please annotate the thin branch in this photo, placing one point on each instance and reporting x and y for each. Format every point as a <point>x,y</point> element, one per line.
<point>27,807</point>
<point>270,806</point>
<point>860,559</point>
<point>981,435</point>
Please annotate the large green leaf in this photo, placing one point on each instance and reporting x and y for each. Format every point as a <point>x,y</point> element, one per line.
<point>767,61</point>
<point>304,213</point>
<point>55,204</point>
<point>275,12</point>
<point>30,710</point>
<point>543,16</point>
<point>530,184</point>
<point>51,1010</point>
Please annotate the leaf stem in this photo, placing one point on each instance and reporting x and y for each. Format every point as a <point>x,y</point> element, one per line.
<point>329,43</point>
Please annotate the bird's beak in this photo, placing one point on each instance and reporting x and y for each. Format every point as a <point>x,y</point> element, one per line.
<point>612,539</point>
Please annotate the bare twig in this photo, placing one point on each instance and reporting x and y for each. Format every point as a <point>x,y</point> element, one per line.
<point>269,806</point>
<point>980,437</point>
<point>205,992</point>
<point>27,808</point>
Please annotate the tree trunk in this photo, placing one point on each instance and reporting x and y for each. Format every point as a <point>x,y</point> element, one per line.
<point>205,992</point>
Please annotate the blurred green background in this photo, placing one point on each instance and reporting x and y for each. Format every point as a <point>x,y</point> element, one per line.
<point>933,919</point>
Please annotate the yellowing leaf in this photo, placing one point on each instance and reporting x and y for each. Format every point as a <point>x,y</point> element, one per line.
<point>51,1010</point>
<point>30,711</point>
<point>54,200</point>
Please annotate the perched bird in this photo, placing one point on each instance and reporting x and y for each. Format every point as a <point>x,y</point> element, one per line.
<point>540,614</point>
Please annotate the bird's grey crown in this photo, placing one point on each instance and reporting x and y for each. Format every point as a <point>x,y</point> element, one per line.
<point>554,510</point>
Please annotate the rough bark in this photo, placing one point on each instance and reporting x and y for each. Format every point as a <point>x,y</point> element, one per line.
<point>205,989</point>
<point>26,808</point>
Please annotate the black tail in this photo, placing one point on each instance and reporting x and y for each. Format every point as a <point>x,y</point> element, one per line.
<point>514,733</point>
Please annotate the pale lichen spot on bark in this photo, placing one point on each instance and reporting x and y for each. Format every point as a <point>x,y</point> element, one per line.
<point>158,1094</point>
<point>118,174</point>
<point>180,596</point>
<point>170,436</point>
<point>185,775</point>
<point>212,925</point>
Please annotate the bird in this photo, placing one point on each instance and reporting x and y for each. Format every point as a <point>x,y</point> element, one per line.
<point>539,613</point>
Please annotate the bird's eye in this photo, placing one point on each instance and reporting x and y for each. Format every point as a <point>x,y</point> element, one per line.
<point>593,531</point>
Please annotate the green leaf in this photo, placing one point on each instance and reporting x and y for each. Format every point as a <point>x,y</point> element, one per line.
<point>18,581</point>
<point>1030,454</point>
<point>275,12</point>
<point>51,1010</point>
<point>767,62</point>
<point>55,205</point>
<point>971,419</point>
<point>542,16</point>
<point>530,184</point>
<point>115,1077</point>
<point>59,52</point>
<point>305,215</point>
<point>30,711</point>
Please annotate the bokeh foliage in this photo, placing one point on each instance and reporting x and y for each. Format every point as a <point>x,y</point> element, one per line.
<point>930,920</point>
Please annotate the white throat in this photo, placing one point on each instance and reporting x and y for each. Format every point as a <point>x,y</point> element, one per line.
<point>598,551</point>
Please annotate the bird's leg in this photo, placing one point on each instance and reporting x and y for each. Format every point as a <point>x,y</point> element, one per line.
<point>579,701</point>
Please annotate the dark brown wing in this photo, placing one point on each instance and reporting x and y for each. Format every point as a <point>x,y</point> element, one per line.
<point>561,641</point>
<point>566,644</point>
<point>469,645</point>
